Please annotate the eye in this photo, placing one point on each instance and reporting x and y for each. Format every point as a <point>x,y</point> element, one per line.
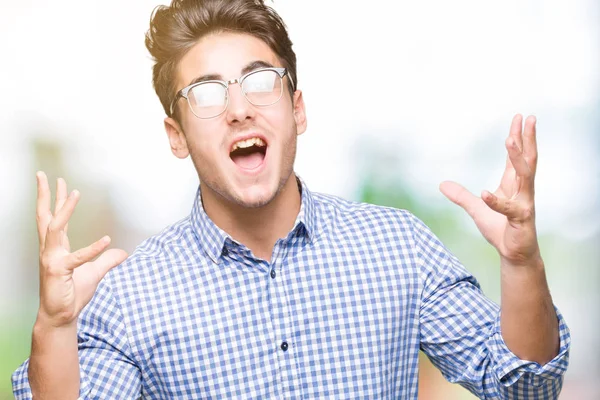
<point>207,95</point>
<point>262,81</point>
<point>263,88</point>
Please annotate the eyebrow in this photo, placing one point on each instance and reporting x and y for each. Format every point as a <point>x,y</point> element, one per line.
<point>251,66</point>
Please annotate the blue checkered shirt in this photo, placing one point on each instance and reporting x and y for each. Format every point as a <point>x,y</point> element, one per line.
<point>341,311</point>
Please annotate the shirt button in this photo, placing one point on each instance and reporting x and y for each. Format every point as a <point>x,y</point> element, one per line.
<point>284,346</point>
<point>225,251</point>
<point>273,274</point>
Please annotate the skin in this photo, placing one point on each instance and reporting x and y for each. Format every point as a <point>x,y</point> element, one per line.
<point>506,218</point>
<point>68,281</point>
<point>254,210</point>
<point>257,210</point>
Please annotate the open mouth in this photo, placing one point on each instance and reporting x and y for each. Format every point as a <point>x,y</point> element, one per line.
<point>249,154</point>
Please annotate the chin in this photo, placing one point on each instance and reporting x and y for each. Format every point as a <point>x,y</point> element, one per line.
<point>254,203</point>
<point>254,196</point>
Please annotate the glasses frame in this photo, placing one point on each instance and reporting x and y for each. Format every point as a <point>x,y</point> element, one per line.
<point>281,72</point>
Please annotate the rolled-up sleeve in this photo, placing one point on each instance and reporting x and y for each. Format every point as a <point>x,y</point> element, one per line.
<point>107,366</point>
<point>460,332</point>
<point>521,379</point>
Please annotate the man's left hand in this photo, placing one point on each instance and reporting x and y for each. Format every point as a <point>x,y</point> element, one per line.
<point>506,218</point>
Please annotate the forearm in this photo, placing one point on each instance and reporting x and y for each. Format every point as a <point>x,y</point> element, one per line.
<point>54,363</point>
<point>528,320</point>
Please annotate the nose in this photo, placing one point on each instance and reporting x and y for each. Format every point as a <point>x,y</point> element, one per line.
<point>239,109</point>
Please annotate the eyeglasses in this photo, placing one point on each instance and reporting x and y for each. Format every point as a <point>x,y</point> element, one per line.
<point>209,99</point>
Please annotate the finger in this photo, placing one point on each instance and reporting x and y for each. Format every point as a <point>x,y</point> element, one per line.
<point>515,130</point>
<point>86,254</point>
<point>61,194</point>
<point>43,214</point>
<point>517,159</point>
<point>61,197</point>
<point>507,182</point>
<point>508,178</point>
<point>58,223</point>
<point>530,143</point>
<point>108,260</point>
<point>88,276</point>
<point>460,196</point>
<point>512,209</point>
<point>498,204</point>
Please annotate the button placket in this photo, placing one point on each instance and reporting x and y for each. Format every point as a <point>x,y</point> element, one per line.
<point>282,322</point>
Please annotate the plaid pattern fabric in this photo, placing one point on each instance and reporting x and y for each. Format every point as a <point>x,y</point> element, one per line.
<point>350,296</point>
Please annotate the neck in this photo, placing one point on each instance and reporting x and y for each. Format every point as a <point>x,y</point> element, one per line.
<point>256,228</point>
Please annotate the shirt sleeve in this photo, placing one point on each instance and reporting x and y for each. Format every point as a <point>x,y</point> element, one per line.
<point>107,366</point>
<point>460,332</point>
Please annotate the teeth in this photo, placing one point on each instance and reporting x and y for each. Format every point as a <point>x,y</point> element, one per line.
<point>242,144</point>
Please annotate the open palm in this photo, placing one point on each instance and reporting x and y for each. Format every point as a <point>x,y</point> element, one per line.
<point>68,279</point>
<point>506,218</point>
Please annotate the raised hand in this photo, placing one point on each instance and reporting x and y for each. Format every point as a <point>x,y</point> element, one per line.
<point>506,218</point>
<point>68,279</point>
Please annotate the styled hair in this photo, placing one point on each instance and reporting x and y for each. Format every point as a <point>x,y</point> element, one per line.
<point>175,29</point>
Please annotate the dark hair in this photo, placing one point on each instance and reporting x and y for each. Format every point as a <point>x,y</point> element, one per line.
<point>175,29</point>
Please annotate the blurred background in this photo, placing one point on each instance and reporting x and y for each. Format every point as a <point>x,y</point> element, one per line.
<point>400,96</point>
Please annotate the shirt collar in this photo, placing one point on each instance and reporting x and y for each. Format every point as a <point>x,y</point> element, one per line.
<point>212,238</point>
<point>306,217</point>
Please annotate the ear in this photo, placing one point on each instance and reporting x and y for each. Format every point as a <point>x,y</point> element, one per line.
<point>299,112</point>
<point>176,138</point>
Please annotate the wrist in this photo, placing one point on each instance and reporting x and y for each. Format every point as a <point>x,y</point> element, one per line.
<point>532,262</point>
<point>528,275</point>
<point>45,323</point>
<point>48,339</point>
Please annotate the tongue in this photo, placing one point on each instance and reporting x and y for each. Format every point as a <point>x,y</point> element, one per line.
<point>248,161</point>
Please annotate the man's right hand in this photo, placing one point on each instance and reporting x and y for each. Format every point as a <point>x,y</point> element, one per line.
<point>67,280</point>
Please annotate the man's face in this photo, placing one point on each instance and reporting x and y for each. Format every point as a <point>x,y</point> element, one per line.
<point>246,178</point>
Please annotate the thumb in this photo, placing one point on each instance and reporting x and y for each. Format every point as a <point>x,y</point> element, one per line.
<point>459,196</point>
<point>89,275</point>
<point>108,260</point>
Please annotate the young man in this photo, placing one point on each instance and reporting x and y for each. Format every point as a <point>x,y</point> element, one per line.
<point>268,290</point>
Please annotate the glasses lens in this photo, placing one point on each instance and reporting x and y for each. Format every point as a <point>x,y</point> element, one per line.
<point>262,88</point>
<point>208,99</point>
